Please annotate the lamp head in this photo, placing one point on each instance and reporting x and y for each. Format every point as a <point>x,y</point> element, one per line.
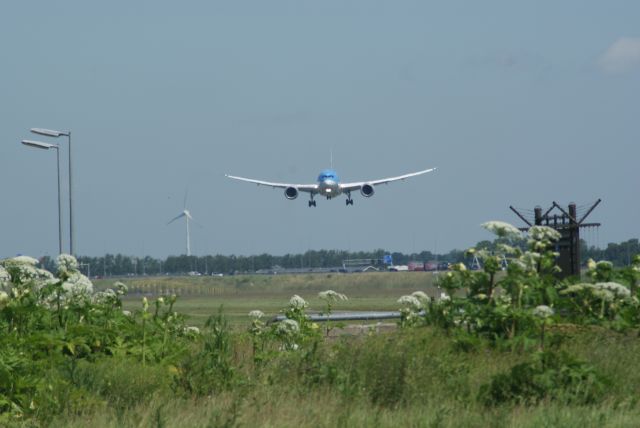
<point>49,132</point>
<point>39,145</point>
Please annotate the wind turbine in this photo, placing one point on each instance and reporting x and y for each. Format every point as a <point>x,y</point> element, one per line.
<point>187,216</point>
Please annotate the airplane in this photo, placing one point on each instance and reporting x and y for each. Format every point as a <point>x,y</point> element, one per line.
<point>329,185</point>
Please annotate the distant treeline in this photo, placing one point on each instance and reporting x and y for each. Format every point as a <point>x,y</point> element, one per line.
<point>110,265</point>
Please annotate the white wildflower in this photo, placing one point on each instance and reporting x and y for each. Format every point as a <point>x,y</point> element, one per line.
<point>508,249</point>
<point>576,288</point>
<point>502,229</point>
<point>126,313</point>
<point>67,264</point>
<point>5,278</point>
<point>331,296</point>
<point>529,261</point>
<point>297,302</point>
<point>543,311</point>
<point>160,300</point>
<point>604,265</point>
<point>603,293</point>
<point>618,289</point>
<point>591,264</point>
<point>543,233</point>
<point>24,273</point>
<point>121,288</point>
<point>422,296</point>
<point>77,285</point>
<point>481,296</point>
<point>411,302</point>
<point>256,314</point>
<point>45,275</point>
<point>23,260</point>
<point>288,327</point>
<point>4,299</point>
<point>444,297</point>
<point>192,330</point>
<point>603,290</point>
<point>104,297</point>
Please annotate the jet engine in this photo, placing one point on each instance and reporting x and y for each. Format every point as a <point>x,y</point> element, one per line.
<point>367,190</point>
<point>290,193</point>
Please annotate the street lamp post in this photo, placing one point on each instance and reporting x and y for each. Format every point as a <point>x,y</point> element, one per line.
<point>47,146</point>
<point>56,134</point>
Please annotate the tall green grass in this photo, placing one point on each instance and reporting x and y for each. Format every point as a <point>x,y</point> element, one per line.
<point>413,378</point>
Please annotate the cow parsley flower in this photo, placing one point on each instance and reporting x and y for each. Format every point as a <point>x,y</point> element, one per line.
<point>288,327</point>
<point>5,278</point>
<point>603,294</point>
<point>502,229</point>
<point>77,285</point>
<point>422,296</point>
<point>331,296</point>
<point>256,314</point>
<point>23,260</point>
<point>4,299</point>
<point>543,233</point>
<point>126,313</point>
<point>411,302</point>
<point>297,302</point>
<point>528,261</point>
<point>66,264</point>
<point>192,330</point>
<point>576,288</point>
<point>604,265</point>
<point>543,311</point>
<point>121,288</point>
<point>24,273</point>
<point>618,289</point>
<point>105,297</point>
<point>444,297</point>
<point>508,249</point>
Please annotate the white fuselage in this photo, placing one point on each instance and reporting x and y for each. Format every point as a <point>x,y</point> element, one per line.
<point>329,188</point>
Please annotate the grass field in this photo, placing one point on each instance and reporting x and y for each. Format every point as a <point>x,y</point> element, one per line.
<point>427,376</point>
<point>200,297</point>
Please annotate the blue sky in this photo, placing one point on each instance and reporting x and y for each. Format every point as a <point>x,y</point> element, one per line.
<point>516,103</point>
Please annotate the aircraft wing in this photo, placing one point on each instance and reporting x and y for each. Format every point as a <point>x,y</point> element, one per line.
<point>311,188</point>
<point>357,186</point>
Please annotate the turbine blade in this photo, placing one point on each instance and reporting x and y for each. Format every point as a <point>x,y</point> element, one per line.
<point>176,218</point>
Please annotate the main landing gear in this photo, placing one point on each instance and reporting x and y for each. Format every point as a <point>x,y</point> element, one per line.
<point>349,201</point>
<point>312,203</point>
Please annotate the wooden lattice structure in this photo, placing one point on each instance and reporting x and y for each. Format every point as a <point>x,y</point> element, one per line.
<point>568,222</point>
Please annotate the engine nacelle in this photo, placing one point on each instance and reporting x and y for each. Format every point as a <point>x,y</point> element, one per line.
<point>290,193</point>
<point>367,190</point>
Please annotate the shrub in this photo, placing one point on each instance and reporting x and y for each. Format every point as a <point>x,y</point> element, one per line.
<point>549,375</point>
